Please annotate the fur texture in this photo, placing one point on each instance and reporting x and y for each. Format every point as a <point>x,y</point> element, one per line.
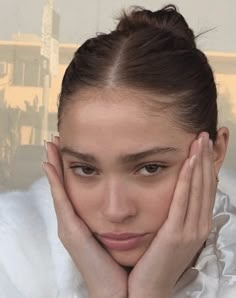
<point>34,260</point>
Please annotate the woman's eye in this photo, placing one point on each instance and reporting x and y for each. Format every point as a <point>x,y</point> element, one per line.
<point>85,171</point>
<point>146,170</point>
<point>150,169</point>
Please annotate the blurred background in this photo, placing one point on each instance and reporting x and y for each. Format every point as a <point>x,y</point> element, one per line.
<point>37,41</point>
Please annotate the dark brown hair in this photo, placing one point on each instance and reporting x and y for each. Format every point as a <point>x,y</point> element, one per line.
<point>152,52</point>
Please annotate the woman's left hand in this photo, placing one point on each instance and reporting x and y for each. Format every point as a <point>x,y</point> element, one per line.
<point>185,230</point>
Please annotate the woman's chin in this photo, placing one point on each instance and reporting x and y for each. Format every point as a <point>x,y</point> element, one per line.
<point>126,258</point>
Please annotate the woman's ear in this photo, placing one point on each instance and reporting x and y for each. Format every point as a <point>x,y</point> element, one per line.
<point>220,147</point>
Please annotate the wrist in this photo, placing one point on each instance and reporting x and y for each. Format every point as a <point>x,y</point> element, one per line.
<point>113,295</point>
<point>156,294</point>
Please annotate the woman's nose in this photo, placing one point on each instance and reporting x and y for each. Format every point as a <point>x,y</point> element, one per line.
<point>118,206</point>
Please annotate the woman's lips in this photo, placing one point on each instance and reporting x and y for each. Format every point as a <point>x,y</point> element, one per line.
<point>124,241</point>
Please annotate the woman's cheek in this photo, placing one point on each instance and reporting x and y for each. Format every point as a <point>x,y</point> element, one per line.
<point>79,195</point>
<point>160,198</point>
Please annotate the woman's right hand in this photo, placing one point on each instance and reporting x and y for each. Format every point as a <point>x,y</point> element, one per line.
<point>104,278</point>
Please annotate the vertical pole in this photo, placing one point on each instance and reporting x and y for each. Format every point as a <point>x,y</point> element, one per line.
<point>46,70</point>
<point>98,14</point>
<point>46,91</point>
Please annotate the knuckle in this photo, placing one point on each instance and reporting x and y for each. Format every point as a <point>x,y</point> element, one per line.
<point>191,237</point>
<point>195,189</point>
<point>205,232</point>
<point>205,151</point>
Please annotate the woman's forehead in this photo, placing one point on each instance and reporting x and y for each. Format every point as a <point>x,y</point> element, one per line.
<point>119,101</point>
<point>117,95</point>
<point>119,125</point>
<point>119,118</point>
<point>117,114</point>
<point>117,128</point>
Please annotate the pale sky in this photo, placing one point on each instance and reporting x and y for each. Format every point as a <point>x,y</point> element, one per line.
<point>81,19</point>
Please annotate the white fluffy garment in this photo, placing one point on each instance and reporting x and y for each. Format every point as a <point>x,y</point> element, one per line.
<point>33,261</point>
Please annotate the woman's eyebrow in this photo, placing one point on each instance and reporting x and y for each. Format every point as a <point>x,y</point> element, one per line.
<point>123,159</point>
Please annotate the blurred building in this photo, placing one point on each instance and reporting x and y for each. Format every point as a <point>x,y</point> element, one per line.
<point>21,70</point>
<point>24,103</point>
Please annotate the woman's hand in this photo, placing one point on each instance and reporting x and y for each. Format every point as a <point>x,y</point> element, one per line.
<point>184,231</point>
<point>103,276</point>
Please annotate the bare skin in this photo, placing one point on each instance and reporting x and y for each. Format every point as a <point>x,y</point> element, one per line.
<point>184,231</point>
<point>76,237</point>
<point>98,170</point>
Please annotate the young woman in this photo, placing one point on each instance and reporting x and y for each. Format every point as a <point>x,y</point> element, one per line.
<point>133,175</point>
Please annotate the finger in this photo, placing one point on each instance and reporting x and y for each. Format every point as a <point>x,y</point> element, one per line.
<point>214,175</point>
<point>54,158</point>
<point>64,210</point>
<point>196,184</point>
<point>180,199</point>
<point>56,141</point>
<point>208,187</point>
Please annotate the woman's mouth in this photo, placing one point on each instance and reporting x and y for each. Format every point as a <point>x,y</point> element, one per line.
<point>125,241</point>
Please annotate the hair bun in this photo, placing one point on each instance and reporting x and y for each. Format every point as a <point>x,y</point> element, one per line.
<point>165,19</point>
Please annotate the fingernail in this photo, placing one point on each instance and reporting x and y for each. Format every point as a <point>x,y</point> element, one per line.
<point>200,141</point>
<point>210,145</point>
<point>192,161</point>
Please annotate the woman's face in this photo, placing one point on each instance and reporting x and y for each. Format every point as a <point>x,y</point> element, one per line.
<point>114,188</point>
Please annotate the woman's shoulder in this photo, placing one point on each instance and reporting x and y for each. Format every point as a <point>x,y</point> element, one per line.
<point>32,258</point>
